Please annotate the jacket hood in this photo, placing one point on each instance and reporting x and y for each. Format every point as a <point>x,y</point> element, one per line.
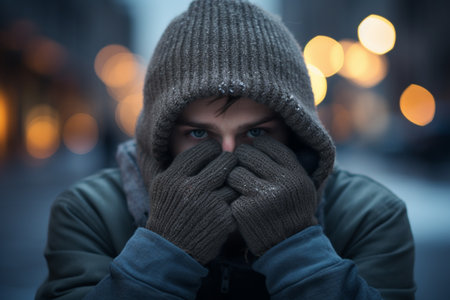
<point>228,48</point>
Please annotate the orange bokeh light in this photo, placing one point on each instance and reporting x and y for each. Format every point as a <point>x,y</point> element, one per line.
<point>45,56</point>
<point>127,113</point>
<point>362,66</point>
<point>417,105</point>
<point>3,124</point>
<point>80,133</point>
<point>325,53</point>
<point>106,53</point>
<point>119,70</point>
<point>42,131</point>
<point>42,137</point>
<point>134,87</point>
<point>116,66</point>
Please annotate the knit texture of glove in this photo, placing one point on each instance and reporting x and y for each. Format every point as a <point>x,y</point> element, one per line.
<point>278,198</point>
<point>190,206</point>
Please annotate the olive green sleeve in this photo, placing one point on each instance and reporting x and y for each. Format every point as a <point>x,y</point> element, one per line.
<point>89,225</point>
<point>369,225</point>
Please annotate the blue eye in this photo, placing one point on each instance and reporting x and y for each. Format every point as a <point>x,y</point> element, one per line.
<point>255,132</point>
<point>198,133</point>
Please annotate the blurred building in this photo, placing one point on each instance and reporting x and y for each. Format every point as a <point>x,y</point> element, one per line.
<point>370,116</point>
<point>47,53</point>
<point>62,58</point>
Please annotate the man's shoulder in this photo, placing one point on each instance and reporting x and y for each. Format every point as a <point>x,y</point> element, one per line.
<point>91,216</point>
<point>350,191</point>
<point>101,191</point>
<point>109,177</point>
<point>355,206</point>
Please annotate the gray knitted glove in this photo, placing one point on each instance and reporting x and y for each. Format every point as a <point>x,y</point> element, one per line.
<point>278,198</point>
<point>190,204</point>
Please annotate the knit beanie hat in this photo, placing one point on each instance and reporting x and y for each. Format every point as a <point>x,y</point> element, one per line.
<point>228,48</point>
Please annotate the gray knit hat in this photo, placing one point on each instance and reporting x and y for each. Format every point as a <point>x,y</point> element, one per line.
<point>228,48</point>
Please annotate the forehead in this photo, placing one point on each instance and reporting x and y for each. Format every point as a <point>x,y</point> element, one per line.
<point>209,109</point>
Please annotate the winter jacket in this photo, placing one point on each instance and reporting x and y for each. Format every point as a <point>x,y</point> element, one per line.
<point>364,249</point>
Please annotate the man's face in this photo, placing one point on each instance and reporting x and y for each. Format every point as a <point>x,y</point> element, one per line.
<point>243,121</point>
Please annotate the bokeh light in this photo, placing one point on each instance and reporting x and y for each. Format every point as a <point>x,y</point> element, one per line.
<point>106,53</point>
<point>45,56</point>
<point>377,34</point>
<point>361,66</point>
<point>42,132</point>
<point>3,124</point>
<point>318,83</point>
<point>116,66</point>
<point>417,105</point>
<point>80,133</point>
<point>119,70</point>
<point>133,87</point>
<point>38,111</point>
<point>127,113</point>
<point>370,115</point>
<point>325,53</point>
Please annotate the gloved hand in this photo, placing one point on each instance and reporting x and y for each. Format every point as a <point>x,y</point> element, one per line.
<point>278,198</point>
<point>190,206</point>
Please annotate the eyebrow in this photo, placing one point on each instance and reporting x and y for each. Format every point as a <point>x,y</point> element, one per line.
<point>210,126</point>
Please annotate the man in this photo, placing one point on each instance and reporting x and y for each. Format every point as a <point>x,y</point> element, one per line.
<point>230,191</point>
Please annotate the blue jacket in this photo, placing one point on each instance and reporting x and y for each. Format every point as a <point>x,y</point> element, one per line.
<point>363,250</point>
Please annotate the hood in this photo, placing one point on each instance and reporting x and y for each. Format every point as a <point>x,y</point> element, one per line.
<point>228,48</point>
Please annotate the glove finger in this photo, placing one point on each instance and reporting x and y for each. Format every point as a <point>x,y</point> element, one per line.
<point>226,194</point>
<point>257,161</point>
<point>191,161</point>
<point>245,182</point>
<point>277,151</point>
<point>215,173</point>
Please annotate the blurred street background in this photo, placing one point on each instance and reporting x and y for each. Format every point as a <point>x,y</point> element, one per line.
<point>71,75</point>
